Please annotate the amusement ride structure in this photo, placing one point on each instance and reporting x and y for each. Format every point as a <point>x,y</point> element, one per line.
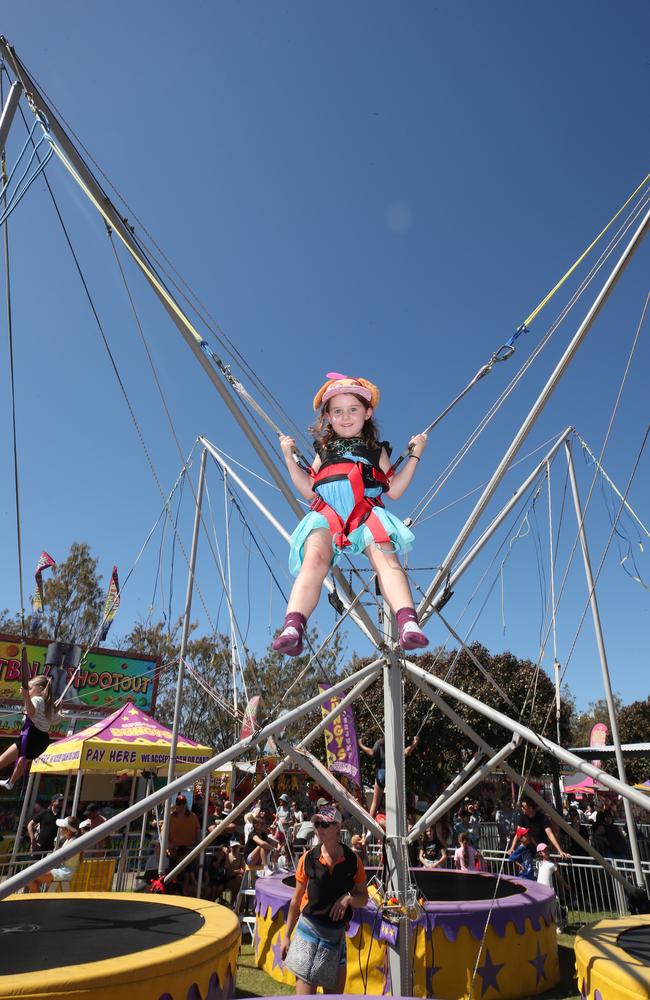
<point>51,139</point>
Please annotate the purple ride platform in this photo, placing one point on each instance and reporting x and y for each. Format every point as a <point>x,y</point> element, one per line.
<point>512,918</point>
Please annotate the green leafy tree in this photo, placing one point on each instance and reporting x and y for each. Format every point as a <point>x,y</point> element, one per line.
<point>634,727</point>
<point>443,749</point>
<point>583,722</point>
<point>73,605</point>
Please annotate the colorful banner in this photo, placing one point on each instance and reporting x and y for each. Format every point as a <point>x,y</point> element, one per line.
<point>341,744</point>
<point>105,680</point>
<point>598,738</point>
<point>111,604</point>
<point>44,562</point>
<point>249,724</point>
<point>127,740</point>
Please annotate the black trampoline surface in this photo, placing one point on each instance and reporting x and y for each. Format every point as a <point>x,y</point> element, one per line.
<point>48,934</point>
<point>636,942</point>
<point>442,886</point>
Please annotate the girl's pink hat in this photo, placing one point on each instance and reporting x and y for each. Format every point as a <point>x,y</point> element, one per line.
<point>337,384</point>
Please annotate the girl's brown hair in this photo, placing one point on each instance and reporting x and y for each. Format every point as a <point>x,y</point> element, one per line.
<point>45,686</point>
<point>462,840</point>
<point>324,433</point>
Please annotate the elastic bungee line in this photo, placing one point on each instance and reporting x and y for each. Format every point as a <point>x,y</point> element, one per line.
<point>503,353</point>
<point>506,350</point>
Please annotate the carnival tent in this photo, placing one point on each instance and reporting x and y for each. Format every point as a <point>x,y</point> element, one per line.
<point>581,784</point>
<point>129,740</point>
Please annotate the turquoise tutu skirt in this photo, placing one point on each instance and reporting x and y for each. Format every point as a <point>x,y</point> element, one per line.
<point>339,496</point>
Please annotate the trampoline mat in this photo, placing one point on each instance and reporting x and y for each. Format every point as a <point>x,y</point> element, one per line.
<point>52,933</point>
<point>636,942</point>
<point>440,886</point>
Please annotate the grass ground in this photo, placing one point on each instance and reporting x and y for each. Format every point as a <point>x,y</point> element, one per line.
<point>251,982</point>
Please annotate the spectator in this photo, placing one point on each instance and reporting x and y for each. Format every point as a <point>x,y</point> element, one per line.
<point>615,837</point>
<point>432,854</point>
<point>547,872</point>
<point>466,857</point>
<point>70,831</point>
<point>184,826</point>
<point>260,846</point>
<point>599,840</point>
<point>444,832</point>
<point>221,875</point>
<point>283,815</point>
<point>378,754</point>
<point>524,854</point>
<point>574,820</point>
<point>330,882</point>
<point>539,826</point>
<point>505,820</point>
<point>42,829</point>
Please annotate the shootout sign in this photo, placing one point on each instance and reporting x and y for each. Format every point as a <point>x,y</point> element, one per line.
<point>106,678</point>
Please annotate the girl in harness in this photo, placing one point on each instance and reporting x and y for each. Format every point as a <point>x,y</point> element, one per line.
<point>350,472</point>
<point>40,716</point>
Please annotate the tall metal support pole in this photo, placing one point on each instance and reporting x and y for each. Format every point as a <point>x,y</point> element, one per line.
<point>204,830</point>
<point>24,812</point>
<point>395,792</point>
<point>171,771</point>
<point>604,666</point>
<point>8,112</point>
<point>74,162</point>
<point>158,796</point>
<point>534,413</point>
<point>542,743</point>
<point>234,652</point>
<point>517,779</point>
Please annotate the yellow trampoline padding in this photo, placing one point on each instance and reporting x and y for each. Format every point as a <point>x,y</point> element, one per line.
<point>602,965</point>
<point>150,974</point>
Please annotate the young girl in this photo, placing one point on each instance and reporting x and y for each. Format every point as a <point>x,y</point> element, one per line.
<point>40,716</point>
<point>466,857</point>
<point>347,477</point>
<point>69,831</point>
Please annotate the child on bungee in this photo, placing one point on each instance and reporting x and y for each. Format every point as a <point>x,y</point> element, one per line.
<point>40,716</point>
<point>350,472</point>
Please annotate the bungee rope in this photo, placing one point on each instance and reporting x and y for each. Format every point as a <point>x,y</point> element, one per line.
<point>506,350</point>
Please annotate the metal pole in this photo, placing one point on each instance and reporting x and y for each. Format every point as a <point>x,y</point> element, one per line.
<point>204,830</point>
<point>66,792</point>
<point>143,828</point>
<point>233,635</point>
<point>322,776</point>
<point>23,816</point>
<point>68,154</point>
<point>519,780</point>
<point>77,793</point>
<point>434,812</point>
<point>123,863</point>
<point>362,622</point>
<point>534,413</point>
<point>8,112</point>
<point>395,796</point>
<point>114,823</point>
<point>541,743</point>
<point>171,771</point>
<point>602,655</point>
<point>499,519</point>
<point>460,780</point>
<point>277,770</point>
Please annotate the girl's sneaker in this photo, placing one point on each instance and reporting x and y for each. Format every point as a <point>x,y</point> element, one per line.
<point>290,639</point>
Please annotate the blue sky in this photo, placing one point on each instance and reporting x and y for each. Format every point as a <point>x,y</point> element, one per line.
<point>381,189</point>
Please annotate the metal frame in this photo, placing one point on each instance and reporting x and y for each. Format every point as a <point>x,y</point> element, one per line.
<point>393,669</point>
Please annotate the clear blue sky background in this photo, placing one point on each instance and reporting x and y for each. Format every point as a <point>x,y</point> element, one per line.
<point>376,188</point>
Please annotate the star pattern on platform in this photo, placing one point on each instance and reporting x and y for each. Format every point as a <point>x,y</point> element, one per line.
<point>489,972</point>
<point>431,971</point>
<point>538,964</point>
<point>276,950</point>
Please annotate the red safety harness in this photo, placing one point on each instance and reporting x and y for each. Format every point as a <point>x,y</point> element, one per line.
<point>363,510</point>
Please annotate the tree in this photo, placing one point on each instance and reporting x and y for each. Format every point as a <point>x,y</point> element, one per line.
<point>73,605</point>
<point>634,727</point>
<point>584,722</point>
<point>443,749</point>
